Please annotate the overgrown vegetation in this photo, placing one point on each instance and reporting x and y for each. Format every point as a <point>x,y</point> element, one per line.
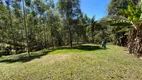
<point>128,12</point>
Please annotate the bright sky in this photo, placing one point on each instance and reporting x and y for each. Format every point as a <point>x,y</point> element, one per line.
<point>94,7</point>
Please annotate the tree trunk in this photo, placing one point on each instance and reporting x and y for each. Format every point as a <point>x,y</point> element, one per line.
<point>12,30</point>
<point>92,38</point>
<point>45,43</point>
<point>92,32</point>
<point>26,32</point>
<point>135,42</point>
<point>52,42</point>
<point>70,36</point>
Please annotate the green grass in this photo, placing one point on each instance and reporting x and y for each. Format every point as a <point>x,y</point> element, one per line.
<point>87,62</point>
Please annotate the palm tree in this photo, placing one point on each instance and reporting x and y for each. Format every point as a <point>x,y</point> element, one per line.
<point>132,12</point>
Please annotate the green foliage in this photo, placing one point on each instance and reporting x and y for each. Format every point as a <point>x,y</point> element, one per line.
<point>40,24</point>
<point>121,24</point>
<point>28,2</point>
<point>133,12</point>
<point>127,16</point>
<point>70,12</point>
<point>69,8</point>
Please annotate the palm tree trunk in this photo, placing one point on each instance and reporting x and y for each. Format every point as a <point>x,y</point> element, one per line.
<point>135,42</point>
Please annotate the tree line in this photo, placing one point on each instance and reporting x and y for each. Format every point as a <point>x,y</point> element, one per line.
<point>30,25</point>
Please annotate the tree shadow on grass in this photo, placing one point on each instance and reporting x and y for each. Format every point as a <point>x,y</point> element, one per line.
<point>24,57</point>
<point>87,48</point>
<point>36,55</point>
<point>82,47</point>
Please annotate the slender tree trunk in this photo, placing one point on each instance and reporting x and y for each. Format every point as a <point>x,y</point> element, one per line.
<point>77,40</point>
<point>84,35</point>
<point>70,36</point>
<point>45,44</point>
<point>53,42</point>
<point>92,32</point>
<point>92,38</point>
<point>26,32</point>
<point>12,30</point>
<point>59,41</point>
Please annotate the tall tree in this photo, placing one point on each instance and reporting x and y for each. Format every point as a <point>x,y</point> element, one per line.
<point>69,9</point>
<point>9,3</point>
<point>25,25</point>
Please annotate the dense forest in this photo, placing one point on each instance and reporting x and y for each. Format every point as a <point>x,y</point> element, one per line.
<point>32,25</point>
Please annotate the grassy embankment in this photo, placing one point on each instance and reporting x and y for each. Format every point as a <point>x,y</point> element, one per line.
<point>87,62</point>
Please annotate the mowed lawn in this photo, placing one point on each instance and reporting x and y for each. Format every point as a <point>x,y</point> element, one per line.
<point>87,62</point>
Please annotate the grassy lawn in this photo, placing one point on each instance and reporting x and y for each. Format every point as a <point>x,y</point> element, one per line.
<point>87,62</point>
